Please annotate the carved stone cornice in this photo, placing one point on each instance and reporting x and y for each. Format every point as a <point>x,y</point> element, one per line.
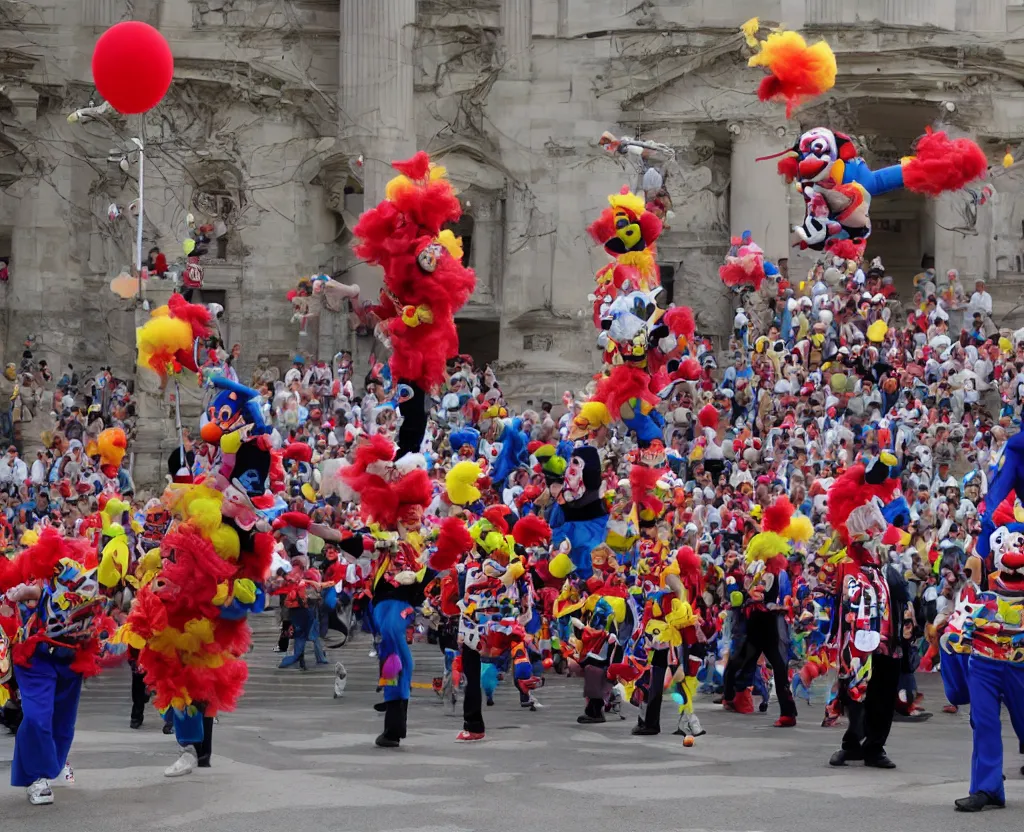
<point>762,128</point>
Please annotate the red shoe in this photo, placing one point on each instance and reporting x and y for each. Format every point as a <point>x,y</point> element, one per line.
<point>785,722</point>
<point>469,736</point>
<point>950,709</point>
<point>744,702</point>
<point>727,705</point>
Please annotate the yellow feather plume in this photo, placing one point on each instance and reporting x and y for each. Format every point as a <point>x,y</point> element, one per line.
<point>205,515</point>
<point>800,529</point>
<point>629,201</point>
<point>225,542</point>
<point>452,243</point>
<point>596,414</point>
<point>460,482</point>
<point>766,545</point>
<point>750,30</point>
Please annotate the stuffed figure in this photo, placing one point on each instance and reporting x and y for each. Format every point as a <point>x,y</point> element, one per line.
<point>824,165</point>
<point>993,626</point>
<point>627,231</point>
<point>425,283</point>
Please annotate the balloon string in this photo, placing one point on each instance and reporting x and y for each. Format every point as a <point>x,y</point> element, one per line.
<point>141,214</point>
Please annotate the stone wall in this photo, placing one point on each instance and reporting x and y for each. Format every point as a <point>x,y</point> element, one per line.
<point>283,119</point>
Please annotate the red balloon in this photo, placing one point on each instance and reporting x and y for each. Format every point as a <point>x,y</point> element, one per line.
<point>132,66</point>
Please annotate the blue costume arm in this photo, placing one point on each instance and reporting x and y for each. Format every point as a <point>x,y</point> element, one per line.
<point>556,517</point>
<point>875,182</point>
<point>513,452</point>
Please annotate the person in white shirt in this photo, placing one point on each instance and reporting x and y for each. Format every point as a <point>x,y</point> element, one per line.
<point>38,472</point>
<point>981,304</point>
<point>13,470</point>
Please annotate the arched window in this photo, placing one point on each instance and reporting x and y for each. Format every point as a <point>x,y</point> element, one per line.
<point>218,206</point>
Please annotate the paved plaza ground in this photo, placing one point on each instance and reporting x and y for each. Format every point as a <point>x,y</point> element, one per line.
<point>293,759</point>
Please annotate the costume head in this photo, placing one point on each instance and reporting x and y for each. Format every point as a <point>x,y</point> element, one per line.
<point>582,479</point>
<point>632,324</point>
<point>1007,543</point>
<point>627,227</point>
<point>169,341</point>
<point>389,493</point>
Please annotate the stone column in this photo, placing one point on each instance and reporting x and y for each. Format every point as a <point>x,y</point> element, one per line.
<point>758,196</point>
<point>375,99</point>
<point>375,87</point>
<point>516,38</point>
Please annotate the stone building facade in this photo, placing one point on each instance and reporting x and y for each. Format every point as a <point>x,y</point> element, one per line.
<point>284,115</point>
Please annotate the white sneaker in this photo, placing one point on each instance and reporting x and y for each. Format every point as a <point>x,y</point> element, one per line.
<point>66,777</point>
<point>39,793</point>
<point>185,764</point>
<point>372,654</point>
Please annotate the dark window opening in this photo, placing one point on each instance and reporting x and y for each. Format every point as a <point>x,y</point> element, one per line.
<point>668,286</point>
<point>222,247</point>
<point>215,296</point>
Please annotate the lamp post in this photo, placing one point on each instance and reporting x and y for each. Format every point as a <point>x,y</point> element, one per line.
<point>98,113</point>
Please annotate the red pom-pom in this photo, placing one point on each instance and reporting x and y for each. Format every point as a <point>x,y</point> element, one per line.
<point>415,168</point>
<point>943,164</point>
<point>642,484</point>
<point>453,541</point>
<point>708,416</point>
<point>892,537</point>
<point>293,519</point>
<point>777,516</point>
<point>689,369</point>
<point>197,315</point>
<point>495,515</point>
<point>1004,512</point>
<point>688,561</point>
<point>850,491</point>
<point>847,249</point>
<point>299,451</point>
<point>789,168</point>
<point>679,320</point>
<point>733,274</point>
<point>132,66</point>
<point>531,530</point>
<point>769,89</point>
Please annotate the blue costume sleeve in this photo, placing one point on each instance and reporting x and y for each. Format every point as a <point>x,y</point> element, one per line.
<point>896,509</point>
<point>1009,477</point>
<point>556,517</point>
<point>875,182</point>
<point>646,427</point>
<point>513,452</point>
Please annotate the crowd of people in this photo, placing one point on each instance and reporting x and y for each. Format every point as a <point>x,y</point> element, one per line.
<point>793,509</point>
<point>57,423</point>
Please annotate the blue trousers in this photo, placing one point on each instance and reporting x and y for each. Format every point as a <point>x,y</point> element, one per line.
<point>953,669</point>
<point>306,624</point>
<point>992,684</point>
<point>391,618</point>
<point>49,702</point>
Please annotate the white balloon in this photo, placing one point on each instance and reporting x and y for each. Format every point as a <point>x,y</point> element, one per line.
<point>652,179</point>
